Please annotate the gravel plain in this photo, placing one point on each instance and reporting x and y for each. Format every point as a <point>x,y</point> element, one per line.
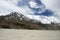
<point>14,34</point>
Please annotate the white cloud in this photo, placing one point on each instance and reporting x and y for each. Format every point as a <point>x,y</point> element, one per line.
<point>54,19</point>
<point>33,4</point>
<point>8,6</point>
<point>53,5</point>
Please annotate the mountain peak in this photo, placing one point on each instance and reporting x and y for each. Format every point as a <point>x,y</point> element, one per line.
<point>16,20</point>
<point>17,16</point>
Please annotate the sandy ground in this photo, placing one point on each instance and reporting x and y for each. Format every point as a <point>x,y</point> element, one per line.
<point>13,34</point>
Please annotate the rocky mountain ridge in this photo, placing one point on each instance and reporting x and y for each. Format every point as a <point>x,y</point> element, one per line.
<point>18,21</point>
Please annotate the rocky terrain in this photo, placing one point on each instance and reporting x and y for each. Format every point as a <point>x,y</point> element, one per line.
<point>18,21</point>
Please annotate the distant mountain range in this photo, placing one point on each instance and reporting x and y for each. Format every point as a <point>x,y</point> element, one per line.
<point>16,20</point>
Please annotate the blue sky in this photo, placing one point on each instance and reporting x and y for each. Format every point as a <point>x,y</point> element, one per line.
<point>45,11</point>
<point>39,3</point>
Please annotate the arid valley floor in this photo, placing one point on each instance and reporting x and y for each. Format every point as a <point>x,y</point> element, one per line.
<point>14,34</point>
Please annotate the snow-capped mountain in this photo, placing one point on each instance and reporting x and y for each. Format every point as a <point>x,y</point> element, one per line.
<point>17,16</point>
<point>34,9</point>
<point>18,21</point>
<point>30,14</point>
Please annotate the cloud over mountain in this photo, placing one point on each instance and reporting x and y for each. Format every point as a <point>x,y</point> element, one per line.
<point>32,9</point>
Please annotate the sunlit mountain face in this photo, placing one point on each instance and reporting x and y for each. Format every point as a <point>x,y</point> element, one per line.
<point>34,9</point>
